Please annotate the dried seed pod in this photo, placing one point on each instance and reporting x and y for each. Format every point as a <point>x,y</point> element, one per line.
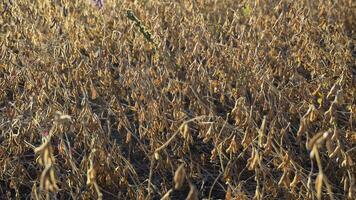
<point>93,92</point>
<point>262,132</point>
<point>193,193</point>
<point>319,184</point>
<point>61,118</point>
<point>233,146</point>
<point>313,114</point>
<point>351,191</point>
<point>247,138</point>
<point>309,183</point>
<point>345,180</point>
<point>228,195</point>
<point>316,139</point>
<point>45,153</point>
<point>208,134</point>
<point>185,131</point>
<point>336,151</point>
<point>295,180</point>
<point>227,172</point>
<point>253,160</point>
<point>258,194</point>
<point>167,195</point>
<point>157,156</point>
<point>48,180</point>
<point>179,177</point>
<point>91,174</point>
<point>128,137</point>
<point>214,154</point>
<point>285,163</point>
<point>268,144</point>
<point>302,127</point>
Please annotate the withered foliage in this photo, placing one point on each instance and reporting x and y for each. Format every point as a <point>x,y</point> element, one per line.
<point>177,99</point>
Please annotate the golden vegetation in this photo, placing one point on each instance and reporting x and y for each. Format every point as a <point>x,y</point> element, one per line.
<point>178,99</point>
